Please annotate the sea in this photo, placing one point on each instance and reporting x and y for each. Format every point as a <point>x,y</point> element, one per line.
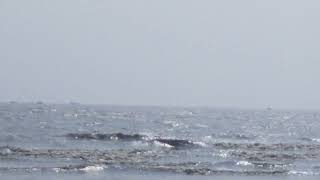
<point>76,141</point>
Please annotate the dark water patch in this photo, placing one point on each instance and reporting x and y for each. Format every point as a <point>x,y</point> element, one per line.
<point>113,136</point>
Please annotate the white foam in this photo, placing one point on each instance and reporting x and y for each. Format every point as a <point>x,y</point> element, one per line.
<point>57,170</point>
<point>92,168</point>
<point>34,169</point>
<point>5,151</point>
<point>244,163</point>
<point>157,143</point>
<point>223,154</point>
<point>302,173</point>
<point>315,140</point>
<point>202,144</point>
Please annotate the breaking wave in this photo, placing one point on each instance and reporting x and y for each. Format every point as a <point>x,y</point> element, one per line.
<point>173,143</point>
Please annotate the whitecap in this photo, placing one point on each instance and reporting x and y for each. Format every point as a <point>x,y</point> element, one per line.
<point>223,154</point>
<point>302,173</point>
<point>92,168</point>
<point>57,170</point>
<point>315,139</point>
<point>244,163</point>
<point>157,143</point>
<point>202,144</point>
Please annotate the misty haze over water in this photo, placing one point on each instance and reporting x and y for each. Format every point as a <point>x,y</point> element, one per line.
<point>251,54</point>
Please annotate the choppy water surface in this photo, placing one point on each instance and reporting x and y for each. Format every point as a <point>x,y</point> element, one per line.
<point>75,141</point>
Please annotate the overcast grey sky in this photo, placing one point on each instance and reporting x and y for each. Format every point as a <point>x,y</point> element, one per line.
<point>247,53</point>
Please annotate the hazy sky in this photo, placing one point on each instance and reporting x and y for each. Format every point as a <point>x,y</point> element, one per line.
<point>248,53</point>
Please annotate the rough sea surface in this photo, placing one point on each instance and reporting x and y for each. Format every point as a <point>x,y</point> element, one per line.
<point>74,141</point>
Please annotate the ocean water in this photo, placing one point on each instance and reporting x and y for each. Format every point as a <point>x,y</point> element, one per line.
<point>74,141</point>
